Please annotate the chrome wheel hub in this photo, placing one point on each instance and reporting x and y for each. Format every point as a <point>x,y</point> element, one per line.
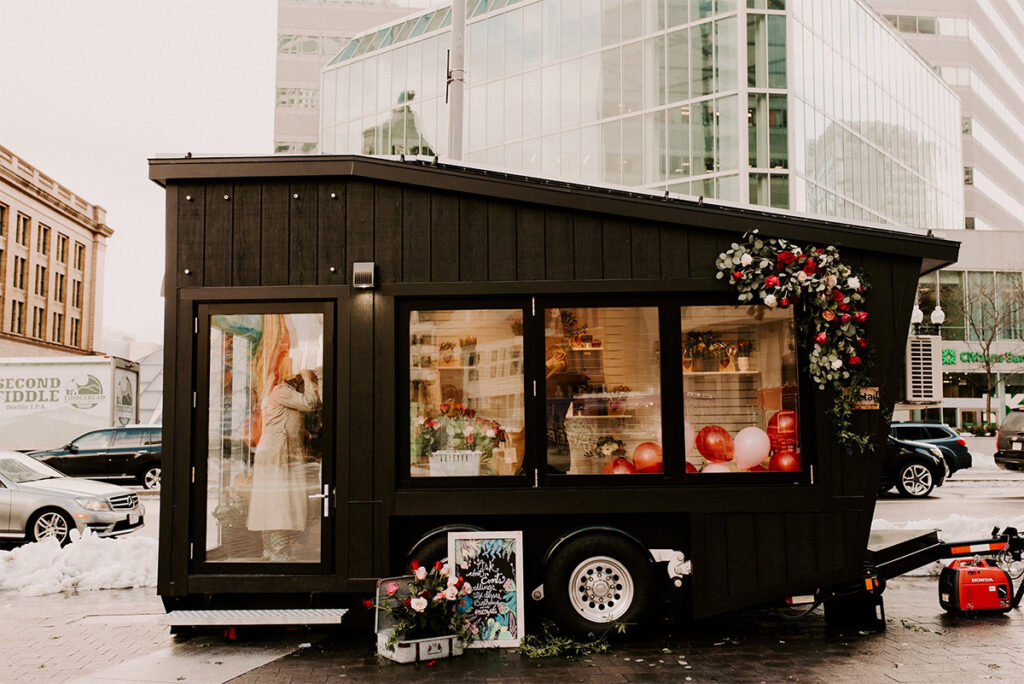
<point>50,525</point>
<point>917,479</point>
<point>601,589</point>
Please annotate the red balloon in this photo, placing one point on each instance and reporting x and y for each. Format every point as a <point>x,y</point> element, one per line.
<point>690,468</point>
<point>785,460</point>
<point>782,429</point>
<point>618,466</point>
<point>715,444</point>
<point>647,458</point>
<point>757,469</point>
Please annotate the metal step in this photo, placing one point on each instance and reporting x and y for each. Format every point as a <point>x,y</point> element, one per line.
<point>239,618</point>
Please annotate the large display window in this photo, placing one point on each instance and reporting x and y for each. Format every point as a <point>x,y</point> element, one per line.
<point>603,390</point>
<point>740,394</point>
<point>466,392</point>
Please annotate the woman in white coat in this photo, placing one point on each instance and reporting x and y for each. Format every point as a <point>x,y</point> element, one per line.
<point>279,488</point>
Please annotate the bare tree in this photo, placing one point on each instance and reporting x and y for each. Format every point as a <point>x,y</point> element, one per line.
<point>993,316</point>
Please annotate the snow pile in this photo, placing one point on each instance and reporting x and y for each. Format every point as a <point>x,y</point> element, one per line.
<point>86,564</point>
<point>955,528</point>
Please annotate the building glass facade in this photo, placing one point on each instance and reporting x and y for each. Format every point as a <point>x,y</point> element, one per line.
<point>652,93</point>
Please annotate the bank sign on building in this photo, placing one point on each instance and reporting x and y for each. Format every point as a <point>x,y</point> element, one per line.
<point>964,381</point>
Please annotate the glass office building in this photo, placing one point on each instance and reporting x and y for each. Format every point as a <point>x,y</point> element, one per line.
<point>817,106</point>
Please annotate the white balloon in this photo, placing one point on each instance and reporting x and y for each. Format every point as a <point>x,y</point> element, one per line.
<point>689,436</point>
<point>752,446</point>
<point>716,468</point>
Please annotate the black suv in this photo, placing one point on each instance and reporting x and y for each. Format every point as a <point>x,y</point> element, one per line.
<point>953,446</point>
<point>111,454</point>
<point>914,468</point>
<point>1010,441</point>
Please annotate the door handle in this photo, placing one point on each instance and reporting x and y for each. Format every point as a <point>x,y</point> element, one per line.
<point>326,496</point>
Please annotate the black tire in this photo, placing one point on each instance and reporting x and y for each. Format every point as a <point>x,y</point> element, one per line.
<point>915,479</point>
<point>149,476</point>
<point>598,581</point>
<point>50,522</point>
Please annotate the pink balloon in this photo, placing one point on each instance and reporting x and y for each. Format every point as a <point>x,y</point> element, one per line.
<point>689,436</point>
<point>716,468</point>
<point>752,446</point>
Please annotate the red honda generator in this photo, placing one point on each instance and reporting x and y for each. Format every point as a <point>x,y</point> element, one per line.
<point>975,585</point>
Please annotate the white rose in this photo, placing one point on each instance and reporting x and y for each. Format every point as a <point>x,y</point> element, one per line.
<point>746,260</point>
<point>837,364</point>
<point>831,280</point>
<point>444,570</point>
<point>468,430</point>
<point>491,432</point>
<point>770,300</point>
<point>451,593</point>
<point>466,588</point>
<point>418,604</point>
<point>801,276</point>
<point>854,282</point>
<point>421,573</point>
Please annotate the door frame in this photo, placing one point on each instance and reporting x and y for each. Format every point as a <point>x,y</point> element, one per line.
<point>194,365</point>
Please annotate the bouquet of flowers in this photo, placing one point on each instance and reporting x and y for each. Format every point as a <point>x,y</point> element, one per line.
<point>432,604</point>
<point>457,427</point>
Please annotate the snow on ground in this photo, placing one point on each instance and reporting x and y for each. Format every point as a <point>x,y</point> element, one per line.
<point>955,528</point>
<point>86,564</point>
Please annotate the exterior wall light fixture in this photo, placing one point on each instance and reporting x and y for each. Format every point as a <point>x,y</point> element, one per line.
<point>363,275</point>
<point>938,316</point>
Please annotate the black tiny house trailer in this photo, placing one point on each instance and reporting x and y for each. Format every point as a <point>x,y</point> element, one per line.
<point>508,353</point>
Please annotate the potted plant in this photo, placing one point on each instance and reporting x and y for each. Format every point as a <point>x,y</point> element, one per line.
<point>425,615</point>
<point>743,350</point>
<point>457,442</point>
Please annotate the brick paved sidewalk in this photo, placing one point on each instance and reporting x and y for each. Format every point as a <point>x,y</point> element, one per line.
<point>921,644</point>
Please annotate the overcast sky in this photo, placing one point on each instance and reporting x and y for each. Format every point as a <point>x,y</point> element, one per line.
<point>90,89</point>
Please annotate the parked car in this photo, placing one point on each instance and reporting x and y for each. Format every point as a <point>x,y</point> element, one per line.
<point>953,446</point>
<point>1010,441</point>
<point>914,468</point>
<point>122,453</point>
<point>37,502</point>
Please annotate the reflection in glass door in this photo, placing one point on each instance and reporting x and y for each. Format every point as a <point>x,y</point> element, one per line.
<point>265,491</point>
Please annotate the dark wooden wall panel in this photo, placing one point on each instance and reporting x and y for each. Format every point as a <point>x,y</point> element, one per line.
<point>645,241</point>
<point>387,233</point>
<point>444,238</point>
<point>218,240</point>
<point>530,253</point>
<point>771,549</point>
<point>245,254</point>
<point>618,262</point>
<point>674,259</point>
<point>416,215</point>
<point>558,245</point>
<point>741,553</point>
<point>716,545</point>
<point>302,233</point>
<point>501,242</point>
<point>274,223</point>
<point>702,249</point>
<point>801,558</point>
<point>331,234</point>
<point>472,253</point>
<point>191,235</point>
<point>588,244</point>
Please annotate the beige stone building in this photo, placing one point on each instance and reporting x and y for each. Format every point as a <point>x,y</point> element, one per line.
<point>52,246</point>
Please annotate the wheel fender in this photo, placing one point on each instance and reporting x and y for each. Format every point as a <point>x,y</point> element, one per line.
<point>601,529</point>
<point>437,532</point>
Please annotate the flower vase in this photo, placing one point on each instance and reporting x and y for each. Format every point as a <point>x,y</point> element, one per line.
<point>417,650</point>
<point>743,363</point>
<point>727,364</point>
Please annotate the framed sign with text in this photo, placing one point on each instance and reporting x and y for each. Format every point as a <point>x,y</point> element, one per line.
<point>492,564</point>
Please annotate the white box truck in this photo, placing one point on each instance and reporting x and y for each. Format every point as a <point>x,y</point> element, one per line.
<point>48,401</point>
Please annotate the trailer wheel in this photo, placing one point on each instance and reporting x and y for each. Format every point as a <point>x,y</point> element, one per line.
<point>915,479</point>
<point>598,581</point>
<point>433,550</point>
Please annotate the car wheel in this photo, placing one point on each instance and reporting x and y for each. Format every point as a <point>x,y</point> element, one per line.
<point>915,479</point>
<point>150,478</point>
<point>598,581</point>
<point>47,524</point>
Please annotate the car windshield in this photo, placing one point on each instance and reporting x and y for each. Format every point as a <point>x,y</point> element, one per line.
<point>21,468</point>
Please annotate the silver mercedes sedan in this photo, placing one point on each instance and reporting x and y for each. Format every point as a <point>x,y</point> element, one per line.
<point>37,502</point>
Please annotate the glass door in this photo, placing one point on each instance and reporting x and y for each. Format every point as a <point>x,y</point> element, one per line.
<point>263,480</point>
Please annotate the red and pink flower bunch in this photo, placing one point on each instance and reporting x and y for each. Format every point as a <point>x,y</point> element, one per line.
<point>780,274</point>
<point>456,426</point>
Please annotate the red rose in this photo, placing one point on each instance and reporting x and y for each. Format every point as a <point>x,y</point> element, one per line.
<point>415,565</point>
<point>855,360</point>
<point>771,281</point>
<point>809,267</point>
<point>861,342</point>
<point>783,302</point>
<point>820,338</point>
<point>738,275</point>
<point>844,307</point>
<point>444,408</point>
<point>438,565</point>
<point>860,316</point>
<point>470,412</point>
<point>459,582</point>
<point>407,602</point>
<point>846,318</point>
<point>367,603</point>
<point>838,296</point>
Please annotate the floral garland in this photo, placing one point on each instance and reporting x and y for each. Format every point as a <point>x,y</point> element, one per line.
<point>778,273</point>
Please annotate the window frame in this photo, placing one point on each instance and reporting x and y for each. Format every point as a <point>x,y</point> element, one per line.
<point>536,473</point>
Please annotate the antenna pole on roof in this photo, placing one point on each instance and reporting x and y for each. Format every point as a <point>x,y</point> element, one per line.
<point>456,78</point>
